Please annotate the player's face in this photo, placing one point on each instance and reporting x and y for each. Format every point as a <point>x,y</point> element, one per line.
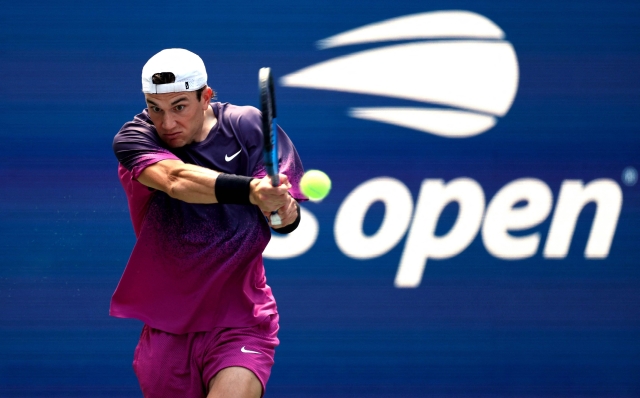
<point>178,117</point>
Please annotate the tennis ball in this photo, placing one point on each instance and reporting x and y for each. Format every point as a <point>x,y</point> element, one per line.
<point>315,184</point>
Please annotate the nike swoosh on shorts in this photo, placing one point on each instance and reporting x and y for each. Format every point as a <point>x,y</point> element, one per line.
<point>249,351</point>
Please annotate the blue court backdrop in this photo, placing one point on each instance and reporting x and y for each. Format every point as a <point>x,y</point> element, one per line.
<point>481,237</point>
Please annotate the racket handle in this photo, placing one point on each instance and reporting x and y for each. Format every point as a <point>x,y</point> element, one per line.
<point>275,180</point>
<point>275,218</point>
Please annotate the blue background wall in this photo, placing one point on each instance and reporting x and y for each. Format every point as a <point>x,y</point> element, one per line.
<point>476,326</point>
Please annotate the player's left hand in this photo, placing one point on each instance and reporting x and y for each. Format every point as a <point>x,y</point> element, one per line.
<point>288,213</point>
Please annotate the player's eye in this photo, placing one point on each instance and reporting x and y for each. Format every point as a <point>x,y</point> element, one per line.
<point>155,109</point>
<point>179,107</point>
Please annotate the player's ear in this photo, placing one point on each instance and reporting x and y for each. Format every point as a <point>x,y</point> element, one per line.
<point>207,94</point>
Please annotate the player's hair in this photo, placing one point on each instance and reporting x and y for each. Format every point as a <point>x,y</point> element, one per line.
<point>168,77</point>
<point>200,90</point>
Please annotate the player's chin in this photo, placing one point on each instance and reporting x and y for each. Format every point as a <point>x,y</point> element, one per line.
<point>174,141</point>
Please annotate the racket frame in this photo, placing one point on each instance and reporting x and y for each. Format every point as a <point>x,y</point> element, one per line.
<point>269,131</point>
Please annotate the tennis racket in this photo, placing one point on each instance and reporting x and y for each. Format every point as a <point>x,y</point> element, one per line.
<point>269,131</point>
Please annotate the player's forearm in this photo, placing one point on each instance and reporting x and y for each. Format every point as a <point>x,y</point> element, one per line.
<point>186,182</point>
<point>195,184</point>
<point>192,184</point>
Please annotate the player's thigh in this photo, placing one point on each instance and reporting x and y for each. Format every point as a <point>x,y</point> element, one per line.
<point>249,348</point>
<point>236,382</point>
<point>165,366</point>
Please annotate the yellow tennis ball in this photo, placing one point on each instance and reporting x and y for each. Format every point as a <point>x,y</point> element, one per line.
<point>315,184</point>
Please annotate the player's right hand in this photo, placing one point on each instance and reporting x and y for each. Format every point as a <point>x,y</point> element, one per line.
<point>267,197</point>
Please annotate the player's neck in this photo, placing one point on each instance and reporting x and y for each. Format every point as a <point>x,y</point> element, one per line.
<point>209,121</point>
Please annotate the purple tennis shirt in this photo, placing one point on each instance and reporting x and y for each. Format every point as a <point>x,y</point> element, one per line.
<point>196,267</point>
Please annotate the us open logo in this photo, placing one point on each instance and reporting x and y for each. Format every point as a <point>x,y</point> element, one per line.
<point>459,66</point>
<point>457,61</point>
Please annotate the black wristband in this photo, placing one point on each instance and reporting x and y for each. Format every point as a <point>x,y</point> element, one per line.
<point>233,189</point>
<point>291,227</point>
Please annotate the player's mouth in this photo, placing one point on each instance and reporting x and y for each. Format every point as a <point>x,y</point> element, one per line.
<point>171,136</point>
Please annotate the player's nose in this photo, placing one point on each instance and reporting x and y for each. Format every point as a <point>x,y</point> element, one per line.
<point>168,121</point>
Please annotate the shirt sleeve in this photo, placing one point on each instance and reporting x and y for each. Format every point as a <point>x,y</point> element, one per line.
<point>138,197</point>
<point>137,146</point>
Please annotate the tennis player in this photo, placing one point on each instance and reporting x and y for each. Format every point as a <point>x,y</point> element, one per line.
<point>194,178</point>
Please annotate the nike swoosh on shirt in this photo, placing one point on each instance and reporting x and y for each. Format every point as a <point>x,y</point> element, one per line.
<point>249,351</point>
<point>229,158</point>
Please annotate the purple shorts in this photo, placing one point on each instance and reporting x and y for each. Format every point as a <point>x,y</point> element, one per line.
<point>181,365</point>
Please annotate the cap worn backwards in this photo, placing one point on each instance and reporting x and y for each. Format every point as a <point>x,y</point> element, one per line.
<point>187,67</point>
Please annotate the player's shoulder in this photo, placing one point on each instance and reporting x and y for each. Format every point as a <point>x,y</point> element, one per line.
<point>140,123</point>
<point>141,119</point>
<point>140,127</point>
<point>238,111</point>
<point>245,117</point>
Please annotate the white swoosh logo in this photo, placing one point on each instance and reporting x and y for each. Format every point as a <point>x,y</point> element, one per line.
<point>473,76</point>
<point>230,158</point>
<point>249,351</point>
<point>427,25</point>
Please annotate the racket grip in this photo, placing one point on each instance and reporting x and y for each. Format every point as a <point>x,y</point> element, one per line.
<point>275,218</point>
<point>275,180</point>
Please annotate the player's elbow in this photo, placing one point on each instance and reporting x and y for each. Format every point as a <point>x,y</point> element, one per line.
<point>173,190</point>
<point>174,185</point>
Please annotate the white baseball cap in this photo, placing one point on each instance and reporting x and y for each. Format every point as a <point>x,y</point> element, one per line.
<point>187,67</point>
